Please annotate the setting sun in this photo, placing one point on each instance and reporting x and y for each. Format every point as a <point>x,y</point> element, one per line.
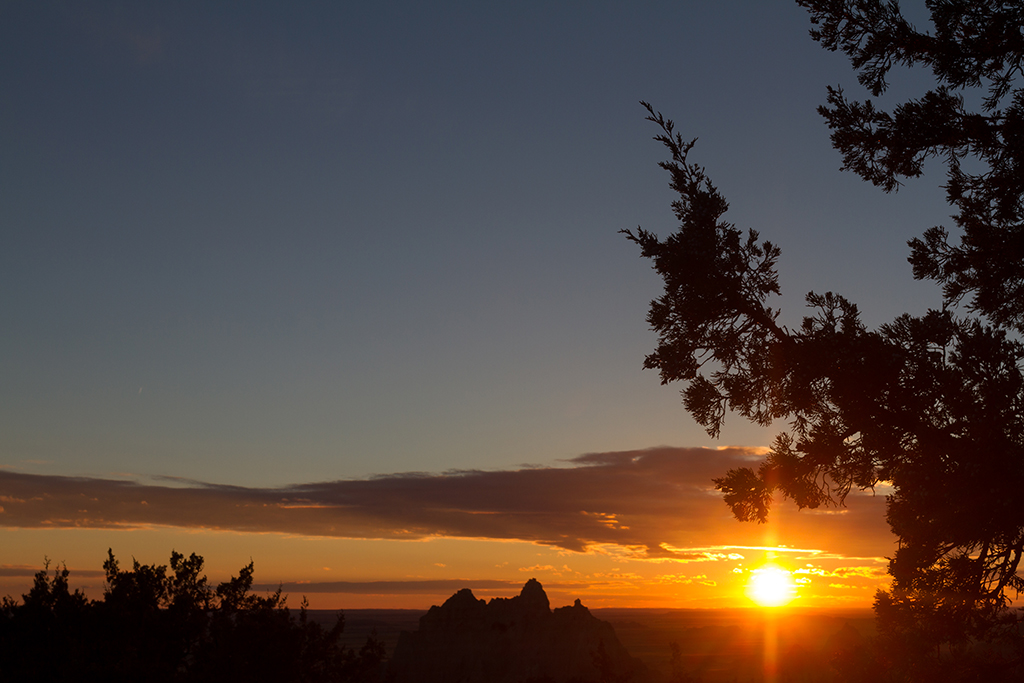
<point>771,586</point>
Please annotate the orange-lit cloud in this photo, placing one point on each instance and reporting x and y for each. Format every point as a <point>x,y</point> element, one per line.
<point>657,503</point>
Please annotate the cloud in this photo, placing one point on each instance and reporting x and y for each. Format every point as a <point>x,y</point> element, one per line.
<point>657,503</point>
<point>876,572</point>
<point>390,587</point>
<point>22,570</point>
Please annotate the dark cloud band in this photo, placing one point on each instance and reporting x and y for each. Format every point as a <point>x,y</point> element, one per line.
<point>657,503</point>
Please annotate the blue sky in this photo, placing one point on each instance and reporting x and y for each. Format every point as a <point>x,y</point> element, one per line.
<point>261,244</point>
<point>266,244</point>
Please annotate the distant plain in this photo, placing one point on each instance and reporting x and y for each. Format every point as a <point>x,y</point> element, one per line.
<point>717,645</point>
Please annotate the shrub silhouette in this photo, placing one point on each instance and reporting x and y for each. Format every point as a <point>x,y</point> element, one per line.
<point>155,625</point>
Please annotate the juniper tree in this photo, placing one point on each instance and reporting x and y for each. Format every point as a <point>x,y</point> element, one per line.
<point>931,404</point>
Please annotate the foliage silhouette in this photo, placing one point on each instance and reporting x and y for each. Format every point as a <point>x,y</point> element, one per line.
<point>932,404</point>
<point>158,626</point>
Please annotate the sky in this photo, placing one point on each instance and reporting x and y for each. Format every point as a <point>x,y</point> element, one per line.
<point>339,288</point>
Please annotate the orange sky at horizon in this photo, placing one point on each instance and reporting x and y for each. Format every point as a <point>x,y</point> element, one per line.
<point>633,529</point>
<point>404,574</point>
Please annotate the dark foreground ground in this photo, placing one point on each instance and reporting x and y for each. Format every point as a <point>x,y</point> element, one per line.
<point>716,645</point>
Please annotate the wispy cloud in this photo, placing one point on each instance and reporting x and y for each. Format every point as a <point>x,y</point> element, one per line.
<point>22,570</point>
<point>413,586</point>
<point>657,503</point>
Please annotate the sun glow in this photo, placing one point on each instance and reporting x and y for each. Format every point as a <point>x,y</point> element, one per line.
<point>771,586</point>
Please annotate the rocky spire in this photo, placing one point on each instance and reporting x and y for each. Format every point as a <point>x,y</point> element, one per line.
<point>508,640</point>
<point>533,597</point>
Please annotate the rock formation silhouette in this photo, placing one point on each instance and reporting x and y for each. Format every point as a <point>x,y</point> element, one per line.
<point>511,640</point>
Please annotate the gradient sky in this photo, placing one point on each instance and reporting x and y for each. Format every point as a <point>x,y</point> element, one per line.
<point>339,287</point>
